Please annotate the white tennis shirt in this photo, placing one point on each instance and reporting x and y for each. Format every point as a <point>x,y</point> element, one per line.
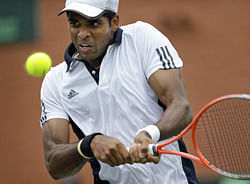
<point>121,103</point>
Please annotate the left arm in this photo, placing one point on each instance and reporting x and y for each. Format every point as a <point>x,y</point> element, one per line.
<point>169,87</point>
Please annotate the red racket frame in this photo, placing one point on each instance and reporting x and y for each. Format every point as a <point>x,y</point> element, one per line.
<point>199,158</point>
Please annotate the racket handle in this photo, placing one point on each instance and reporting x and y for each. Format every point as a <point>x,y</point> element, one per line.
<point>152,149</point>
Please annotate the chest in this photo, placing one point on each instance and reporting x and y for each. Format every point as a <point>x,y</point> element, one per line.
<point>120,73</point>
<point>122,89</point>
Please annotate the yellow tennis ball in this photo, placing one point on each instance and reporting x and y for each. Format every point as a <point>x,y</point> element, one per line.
<point>38,64</point>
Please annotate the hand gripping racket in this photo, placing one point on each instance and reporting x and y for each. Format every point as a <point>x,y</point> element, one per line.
<point>221,137</point>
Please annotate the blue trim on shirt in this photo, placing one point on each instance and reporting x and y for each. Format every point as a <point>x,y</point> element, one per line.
<point>187,165</point>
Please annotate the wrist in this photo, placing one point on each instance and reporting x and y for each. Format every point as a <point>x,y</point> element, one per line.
<point>144,133</point>
<point>83,147</point>
<point>151,130</point>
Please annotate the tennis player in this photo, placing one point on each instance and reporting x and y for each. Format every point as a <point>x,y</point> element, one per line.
<point>119,87</point>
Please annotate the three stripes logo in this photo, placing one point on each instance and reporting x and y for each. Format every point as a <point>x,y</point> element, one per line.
<point>165,57</point>
<point>72,93</point>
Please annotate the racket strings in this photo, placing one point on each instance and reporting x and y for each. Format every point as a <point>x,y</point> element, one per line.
<point>222,135</point>
<point>240,142</point>
<point>243,141</point>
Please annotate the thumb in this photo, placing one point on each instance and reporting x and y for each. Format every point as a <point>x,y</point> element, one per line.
<point>143,150</point>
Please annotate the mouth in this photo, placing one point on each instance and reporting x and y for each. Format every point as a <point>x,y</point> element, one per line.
<point>84,47</point>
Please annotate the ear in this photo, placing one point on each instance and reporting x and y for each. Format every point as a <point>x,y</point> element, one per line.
<point>115,23</point>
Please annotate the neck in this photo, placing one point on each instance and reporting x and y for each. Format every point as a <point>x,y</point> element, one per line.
<point>94,63</point>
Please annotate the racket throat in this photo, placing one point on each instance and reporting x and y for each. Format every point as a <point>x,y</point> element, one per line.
<point>152,149</point>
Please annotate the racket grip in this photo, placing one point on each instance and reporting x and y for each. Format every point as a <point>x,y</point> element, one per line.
<point>152,149</point>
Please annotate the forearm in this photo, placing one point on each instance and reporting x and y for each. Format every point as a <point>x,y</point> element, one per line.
<point>175,118</point>
<point>63,160</point>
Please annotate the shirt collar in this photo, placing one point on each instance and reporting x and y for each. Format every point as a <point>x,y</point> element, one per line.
<point>117,37</point>
<point>70,51</point>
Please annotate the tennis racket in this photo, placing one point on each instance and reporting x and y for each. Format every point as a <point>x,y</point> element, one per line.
<point>220,135</point>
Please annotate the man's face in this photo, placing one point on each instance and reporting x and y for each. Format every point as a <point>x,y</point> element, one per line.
<point>90,37</point>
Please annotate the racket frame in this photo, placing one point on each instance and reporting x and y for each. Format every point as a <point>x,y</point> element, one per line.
<point>157,148</point>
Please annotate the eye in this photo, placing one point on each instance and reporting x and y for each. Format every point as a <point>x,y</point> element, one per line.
<point>94,23</point>
<point>74,22</point>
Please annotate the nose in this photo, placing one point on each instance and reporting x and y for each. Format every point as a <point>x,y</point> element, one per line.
<point>84,33</point>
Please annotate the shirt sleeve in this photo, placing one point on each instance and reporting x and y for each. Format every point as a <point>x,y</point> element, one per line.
<point>156,50</point>
<point>50,99</point>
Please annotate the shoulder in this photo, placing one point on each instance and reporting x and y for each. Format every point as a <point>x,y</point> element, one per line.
<point>144,33</point>
<point>138,29</point>
<point>55,75</point>
<point>57,70</point>
<point>139,25</point>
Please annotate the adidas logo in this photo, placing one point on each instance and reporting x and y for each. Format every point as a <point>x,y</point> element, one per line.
<point>72,93</point>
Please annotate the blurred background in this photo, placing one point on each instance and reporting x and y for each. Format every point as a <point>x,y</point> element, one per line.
<point>211,36</point>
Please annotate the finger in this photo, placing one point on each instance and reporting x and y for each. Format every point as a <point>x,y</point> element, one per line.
<point>129,158</point>
<point>131,153</point>
<point>154,159</point>
<point>137,157</point>
<point>143,150</point>
<point>124,152</point>
<point>110,159</point>
<point>105,159</point>
<point>142,153</point>
<point>117,157</point>
<point>134,153</point>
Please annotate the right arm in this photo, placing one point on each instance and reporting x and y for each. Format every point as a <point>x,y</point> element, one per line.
<point>61,156</point>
